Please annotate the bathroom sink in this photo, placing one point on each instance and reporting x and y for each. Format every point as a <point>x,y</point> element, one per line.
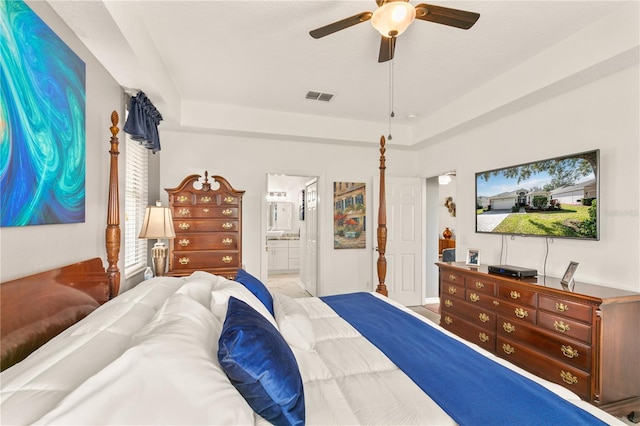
<point>275,234</point>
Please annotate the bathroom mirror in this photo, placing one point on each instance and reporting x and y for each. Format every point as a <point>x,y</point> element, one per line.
<point>280,216</point>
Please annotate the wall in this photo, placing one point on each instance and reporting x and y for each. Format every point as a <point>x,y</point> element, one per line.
<point>604,114</point>
<point>30,249</point>
<point>245,163</point>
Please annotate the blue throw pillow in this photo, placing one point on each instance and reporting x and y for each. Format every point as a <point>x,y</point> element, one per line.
<point>256,287</point>
<point>261,365</point>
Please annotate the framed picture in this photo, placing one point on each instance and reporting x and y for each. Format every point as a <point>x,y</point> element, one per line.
<point>567,279</point>
<point>473,257</point>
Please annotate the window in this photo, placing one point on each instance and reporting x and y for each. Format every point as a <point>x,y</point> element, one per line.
<point>136,200</point>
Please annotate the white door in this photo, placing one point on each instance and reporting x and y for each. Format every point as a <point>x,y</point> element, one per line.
<point>404,239</point>
<point>310,279</point>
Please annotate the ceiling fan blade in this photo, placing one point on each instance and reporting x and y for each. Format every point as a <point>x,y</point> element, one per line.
<point>446,16</point>
<point>340,25</point>
<point>387,48</point>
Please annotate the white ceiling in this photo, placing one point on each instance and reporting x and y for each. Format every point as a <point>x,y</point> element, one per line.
<point>252,56</point>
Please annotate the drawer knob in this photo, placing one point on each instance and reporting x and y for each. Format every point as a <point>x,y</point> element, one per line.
<point>448,320</point>
<point>479,284</point>
<point>184,212</point>
<point>483,337</point>
<point>448,303</point>
<point>474,297</point>
<point>452,290</point>
<point>508,349</point>
<point>521,313</point>
<point>184,226</point>
<point>182,198</point>
<point>569,352</point>
<point>227,241</point>
<point>561,307</point>
<point>227,259</point>
<point>183,260</point>
<point>227,225</point>
<point>228,200</point>
<point>508,327</point>
<point>514,294</point>
<point>184,242</point>
<point>561,326</point>
<point>568,378</point>
<point>484,317</point>
<point>452,277</point>
<point>205,199</point>
<point>227,212</point>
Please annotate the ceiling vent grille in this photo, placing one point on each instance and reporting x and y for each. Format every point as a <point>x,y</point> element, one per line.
<point>319,96</point>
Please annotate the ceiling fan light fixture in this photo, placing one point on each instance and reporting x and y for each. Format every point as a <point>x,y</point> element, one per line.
<point>393,18</point>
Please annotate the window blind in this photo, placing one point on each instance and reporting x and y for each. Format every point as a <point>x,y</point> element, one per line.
<point>136,200</point>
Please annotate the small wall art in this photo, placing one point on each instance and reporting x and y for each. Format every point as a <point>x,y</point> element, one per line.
<point>349,215</point>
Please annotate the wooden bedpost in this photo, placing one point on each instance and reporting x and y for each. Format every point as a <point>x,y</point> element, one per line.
<point>113,213</point>
<point>382,226</point>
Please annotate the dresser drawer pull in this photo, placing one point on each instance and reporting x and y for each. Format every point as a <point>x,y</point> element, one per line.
<point>496,303</point>
<point>484,317</point>
<point>227,259</point>
<point>184,212</point>
<point>508,349</point>
<point>568,378</point>
<point>184,226</point>
<point>183,260</point>
<point>448,320</point>
<point>479,284</point>
<point>483,337</point>
<point>521,313</point>
<point>227,241</point>
<point>448,303</point>
<point>561,326</point>
<point>205,210</point>
<point>561,307</point>
<point>514,294</point>
<point>182,199</point>
<point>508,327</point>
<point>184,242</point>
<point>228,200</point>
<point>474,297</point>
<point>227,212</point>
<point>569,352</point>
<point>227,225</point>
<point>452,277</point>
<point>452,290</point>
<point>205,199</point>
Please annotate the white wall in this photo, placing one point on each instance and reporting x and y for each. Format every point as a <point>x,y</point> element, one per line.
<point>30,249</point>
<point>604,114</point>
<point>245,163</point>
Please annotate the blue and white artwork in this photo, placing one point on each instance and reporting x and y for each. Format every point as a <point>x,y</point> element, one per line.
<point>42,122</point>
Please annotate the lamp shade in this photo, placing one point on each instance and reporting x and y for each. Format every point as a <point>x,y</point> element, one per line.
<point>158,223</point>
<point>393,18</point>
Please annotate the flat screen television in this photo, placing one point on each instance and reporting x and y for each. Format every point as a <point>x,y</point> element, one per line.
<point>556,197</point>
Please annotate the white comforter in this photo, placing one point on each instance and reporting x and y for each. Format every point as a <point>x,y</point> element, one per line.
<point>149,357</point>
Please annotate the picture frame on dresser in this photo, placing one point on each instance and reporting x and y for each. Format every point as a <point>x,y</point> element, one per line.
<point>473,257</point>
<point>567,279</point>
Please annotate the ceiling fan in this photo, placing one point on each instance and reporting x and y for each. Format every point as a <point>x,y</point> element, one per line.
<point>393,17</point>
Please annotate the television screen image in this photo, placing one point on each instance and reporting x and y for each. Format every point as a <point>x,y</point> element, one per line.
<point>556,197</point>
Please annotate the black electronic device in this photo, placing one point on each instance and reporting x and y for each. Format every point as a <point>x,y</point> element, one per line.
<point>513,271</point>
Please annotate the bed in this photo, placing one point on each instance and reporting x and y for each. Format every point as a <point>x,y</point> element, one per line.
<point>203,349</point>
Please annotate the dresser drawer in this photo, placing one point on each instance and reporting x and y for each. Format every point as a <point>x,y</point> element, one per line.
<point>447,276</point>
<point>211,225</point>
<point>206,241</point>
<point>223,212</point>
<point>468,331</point>
<point>566,308</point>
<point>565,327</point>
<point>481,284</point>
<point>205,259</point>
<point>515,311</point>
<point>451,289</point>
<point>565,350</point>
<point>477,298</point>
<point>572,378</point>
<point>517,294</point>
<point>484,318</point>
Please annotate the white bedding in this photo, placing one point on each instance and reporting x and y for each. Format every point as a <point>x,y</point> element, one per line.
<point>149,357</point>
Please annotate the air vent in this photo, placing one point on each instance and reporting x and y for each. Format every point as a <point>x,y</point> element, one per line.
<point>319,96</point>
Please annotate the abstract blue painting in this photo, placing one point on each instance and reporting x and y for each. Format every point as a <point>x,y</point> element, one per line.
<point>42,122</point>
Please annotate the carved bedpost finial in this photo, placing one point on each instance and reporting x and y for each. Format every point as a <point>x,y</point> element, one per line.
<point>114,123</point>
<point>382,225</point>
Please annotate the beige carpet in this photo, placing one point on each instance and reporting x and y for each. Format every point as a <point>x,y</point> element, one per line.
<point>288,284</point>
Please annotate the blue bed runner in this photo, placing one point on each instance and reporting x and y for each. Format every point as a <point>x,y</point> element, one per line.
<point>471,388</point>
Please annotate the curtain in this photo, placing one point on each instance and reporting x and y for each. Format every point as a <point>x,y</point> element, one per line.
<point>142,122</point>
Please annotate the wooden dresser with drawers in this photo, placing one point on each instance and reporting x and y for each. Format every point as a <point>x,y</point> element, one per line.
<point>587,340</point>
<point>208,226</point>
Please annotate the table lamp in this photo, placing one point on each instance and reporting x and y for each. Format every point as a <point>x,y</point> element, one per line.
<point>158,223</point>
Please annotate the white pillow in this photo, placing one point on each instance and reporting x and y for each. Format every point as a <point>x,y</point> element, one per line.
<point>199,290</point>
<point>293,322</point>
<point>220,300</point>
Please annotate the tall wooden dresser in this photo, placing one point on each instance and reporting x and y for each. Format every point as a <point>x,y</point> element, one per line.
<point>208,226</point>
<point>587,340</point>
